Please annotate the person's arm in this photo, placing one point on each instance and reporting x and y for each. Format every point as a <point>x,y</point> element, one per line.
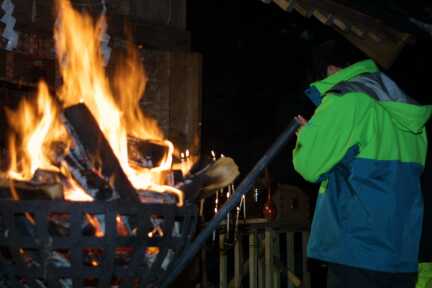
<point>325,139</point>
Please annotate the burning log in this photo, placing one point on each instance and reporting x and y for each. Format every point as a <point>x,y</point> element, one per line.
<point>214,176</point>
<point>156,197</point>
<point>25,190</point>
<point>146,153</point>
<point>42,176</point>
<point>92,183</point>
<point>90,140</point>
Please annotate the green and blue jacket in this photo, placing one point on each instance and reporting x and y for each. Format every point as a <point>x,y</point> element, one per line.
<point>366,144</point>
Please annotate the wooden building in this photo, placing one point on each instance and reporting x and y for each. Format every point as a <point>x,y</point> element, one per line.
<point>375,37</point>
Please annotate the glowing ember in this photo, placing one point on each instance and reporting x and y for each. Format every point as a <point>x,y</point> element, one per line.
<point>152,250</point>
<point>122,230</point>
<point>157,231</point>
<point>95,223</point>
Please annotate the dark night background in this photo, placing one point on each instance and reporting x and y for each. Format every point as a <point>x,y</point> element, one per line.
<point>255,58</point>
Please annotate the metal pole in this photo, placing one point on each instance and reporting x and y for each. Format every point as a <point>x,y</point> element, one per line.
<point>244,187</point>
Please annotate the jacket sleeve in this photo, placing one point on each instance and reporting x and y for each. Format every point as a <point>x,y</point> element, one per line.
<point>329,134</point>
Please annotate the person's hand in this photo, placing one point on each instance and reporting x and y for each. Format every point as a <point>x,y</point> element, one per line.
<point>301,120</point>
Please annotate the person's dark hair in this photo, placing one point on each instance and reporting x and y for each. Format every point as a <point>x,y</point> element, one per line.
<point>339,53</point>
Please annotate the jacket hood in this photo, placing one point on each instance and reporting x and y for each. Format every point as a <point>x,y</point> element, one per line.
<point>408,117</point>
<point>362,67</point>
<point>365,77</point>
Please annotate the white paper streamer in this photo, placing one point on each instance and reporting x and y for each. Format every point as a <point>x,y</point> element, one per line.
<point>106,49</point>
<point>9,20</point>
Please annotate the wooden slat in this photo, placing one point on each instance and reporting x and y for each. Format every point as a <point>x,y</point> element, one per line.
<point>340,24</point>
<point>352,17</point>
<point>323,17</point>
<point>286,5</point>
<point>24,69</point>
<point>179,18</point>
<point>306,273</point>
<point>383,52</point>
<point>275,253</point>
<point>306,7</point>
<point>380,42</point>
<point>245,270</point>
<point>122,7</point>
<point>261,264</point>
<point>290,252</point>
<point>346,15</point>
<point>36,37</point>
<point>156,12</point>
<point>223,263</point>
<point>160,12</point>
<point>375,36</point>
<point>238,263</point>
<point>203,269</point>
<point>268,258</point>
<point>358,31</point>
<point>185,101</point>
<point>253,259</point>
<point>156,100</point>
<point>149,35</point>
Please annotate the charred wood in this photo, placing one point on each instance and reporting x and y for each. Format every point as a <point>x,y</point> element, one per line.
<point>146,153</point>
<point>26,190</point>
<point>92,183</point>
<point>156,197</point>
<point>88,138</point>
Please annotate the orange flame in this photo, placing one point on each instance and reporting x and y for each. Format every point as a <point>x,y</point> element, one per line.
<point>36,124</point>
<point>95,223</point>
<point>77,43</point>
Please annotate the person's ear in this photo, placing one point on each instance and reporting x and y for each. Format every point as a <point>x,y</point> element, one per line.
<point>331,69</point>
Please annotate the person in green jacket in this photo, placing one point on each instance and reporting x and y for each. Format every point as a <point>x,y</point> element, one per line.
<point>366,145</point>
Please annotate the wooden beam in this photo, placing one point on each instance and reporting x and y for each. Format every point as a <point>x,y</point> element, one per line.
<point>292,278</point>
<point>323,17</point>
<point>253,259</point>
<point>358,31</point>
<point>290,250</point>
<point>223,263</point>
<point>268,258</point>
<point>305,7</point>
<point>150,36</point>
<point>22,190</point>
<point>23,69</point>
<point>160,12</point>
<point>383,52</point>
<point>352,17</point>
<point>261,265</point>
<point>286,5</point>
<point>238,263</point>
<point>275,253</point>
<point>306,274</point>
<point>37,38</point>
<point>340,24</point>
<point>185,101</point>
<point>375,36</point>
